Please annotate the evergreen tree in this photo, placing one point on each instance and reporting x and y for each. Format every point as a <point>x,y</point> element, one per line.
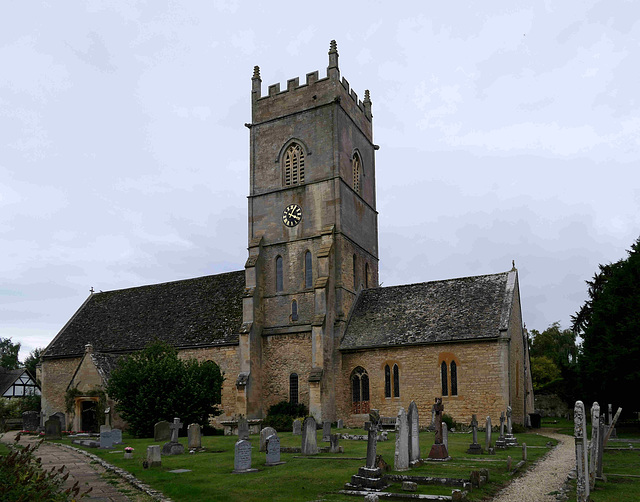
<point>9,354</point>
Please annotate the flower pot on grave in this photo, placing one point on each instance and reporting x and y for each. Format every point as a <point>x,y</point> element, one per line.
<point>128,454</point>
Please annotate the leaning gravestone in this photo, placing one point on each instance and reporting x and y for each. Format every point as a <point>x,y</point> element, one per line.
<point>153,456</point>
<point>106,440</point>
<point>297,427</point>
<point>30,420</point>
<point>264,434</point>
<point>309,439</point>
<point>273,450</point>
<point>243,428</point>
<point>161,431</point>
<point>414,431</point>
<point>194,435</point>
<point>401,457</point>
<point>52,429</point>
<point>582,461</point>
<point>116,434</point>
<point>326,430</point>
<point>242,460</point>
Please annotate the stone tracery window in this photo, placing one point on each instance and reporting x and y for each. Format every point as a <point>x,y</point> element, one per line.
<point>443,375</point>
<point>294,165</point>
<point>454,378</point>
<point>359,391</point>
<point>396,381</point>
<point>387,381</point>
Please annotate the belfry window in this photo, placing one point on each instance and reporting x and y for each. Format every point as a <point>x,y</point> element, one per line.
<point>293,388</point>
<point>443,375</point>
<point>294,165</point>
<point>308,270</point>
<point>454,378</point>
<point>359,391</point>
<point>294,310</point>
<point>356,172</point>
<point>279,285</point>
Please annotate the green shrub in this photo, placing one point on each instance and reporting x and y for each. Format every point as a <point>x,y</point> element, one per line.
<point>280,416</point>
<point>518,428</point>
<point>448,419</point>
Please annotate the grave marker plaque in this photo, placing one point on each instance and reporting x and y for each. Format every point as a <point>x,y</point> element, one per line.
<point>273,450</point>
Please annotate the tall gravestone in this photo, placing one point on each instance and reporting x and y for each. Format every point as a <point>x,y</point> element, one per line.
<point>194,436</point>
<point>326,430</point>
<point>599,474</point>
<point>401,457</point>
<point>582,461</point>
<point>264,434</point>
<point>474,448</point>
<point>510,439</point>
<point>309,438</point>
<point>153,456</point>
<point>243,428</point>
<point>161,431</point>
<point>438,449</point>
<point>593,445</point>
<point>242,459</point>
<point>52,429</point>
<point>501,442</point>
<point>370,476</point>
<point>297,427</point>
<point>414,431</point>
<point>487,434</point>
<point>273,450</point>
<point>613,428</point>
<point>445,435</point>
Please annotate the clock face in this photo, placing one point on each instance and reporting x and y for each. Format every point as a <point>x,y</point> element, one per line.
<point>292,215</point>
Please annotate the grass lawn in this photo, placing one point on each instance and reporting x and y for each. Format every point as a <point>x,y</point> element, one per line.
<point>305,479</point>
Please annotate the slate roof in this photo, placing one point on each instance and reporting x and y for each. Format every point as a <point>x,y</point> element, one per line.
<point>431,312</point>
<point>205,311</point>
<point>105,363</point>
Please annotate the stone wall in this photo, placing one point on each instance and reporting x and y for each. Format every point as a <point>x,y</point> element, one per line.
<point>517,362</point>
<point>56,375</point>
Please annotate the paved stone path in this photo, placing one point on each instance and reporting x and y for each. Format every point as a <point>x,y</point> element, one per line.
<point>79,468</point>
<point>547,477</point>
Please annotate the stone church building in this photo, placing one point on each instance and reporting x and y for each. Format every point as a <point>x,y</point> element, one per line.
<point>306,320</point>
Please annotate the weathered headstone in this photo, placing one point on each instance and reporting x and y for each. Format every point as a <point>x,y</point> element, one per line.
<point>242,460</point>
<point>62,418</point>
<point>582,463</point>
<point>326,430</point>
<point>106,440</point>
<point>52,429</point>
<point>613,429</point>
<point>474,448</point>
<point>273,450</point>
<point>105,428</point>
<point>161,431</point>
<point>401,457</point>
<point>116,435</point>
<point>153,456</point>
<point>340,424</point>
<point>487,434</point>
<point>445,435</point>
<point>438,450</point>
<point>524,451</point>
<point>194,436</point>
<point>509,438</point>
<point>509,462</point>
<point>334,440</point>
<point>593,445</point>
<point>612,426</point>
<point>243,428</point>
<point>30,420</point>
<point>173,447</point>
<point>309,439</point>
<point>370,476</point>
<point>107,417</point>
<point>264,434</point>
<point>414,431</point>
<point>599,474</point>
<point>175,428</point>
<point>297,427</point>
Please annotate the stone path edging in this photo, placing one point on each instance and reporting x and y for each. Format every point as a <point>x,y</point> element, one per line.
<point>125,475</point>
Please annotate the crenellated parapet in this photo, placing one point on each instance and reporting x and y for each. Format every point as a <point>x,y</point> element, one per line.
<point>314,92</point>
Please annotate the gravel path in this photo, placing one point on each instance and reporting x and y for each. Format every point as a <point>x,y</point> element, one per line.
<point>548,475</point>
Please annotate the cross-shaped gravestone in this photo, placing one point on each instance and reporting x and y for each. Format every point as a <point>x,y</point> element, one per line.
<point>438,450</point>
<point>175,427</point>
<point>107,417</point>
<point>502,424</point>
<point>474,448</point>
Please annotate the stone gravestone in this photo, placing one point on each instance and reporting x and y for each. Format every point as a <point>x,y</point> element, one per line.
<point>153,456</point>
<point>474,448</point>
<point>52,429</point>
<point>326,430</point>
<point>194,435</point>
<point>445,435</point>
<point>509,437</point>
<point>487,434</point>
<point>401,457</point>
<point>242,460</point>
<point>599,474</point>
<point>501,442</point>
<point>438,449</point>
<point>62,418</point>
<point>107,417</point>
<point>264,434</point>
<point>106,440</point>
<point>414,431</point>
<point>273,450</point>
<point>309,439</point>
<point>173,447</point>
<point>613,430</point>
<point>243,428</point>
<point>582,463</point>
<point>297,427</point>
<point>612,427</point>
<point>161,431</point>
<point>334,440</point>
<point>340,424</point>
<point>116,435</point>
<point>593,445</point>
<point>30,420</point>
<point>370,476</point>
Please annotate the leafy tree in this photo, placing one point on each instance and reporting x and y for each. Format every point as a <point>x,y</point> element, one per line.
<point>609,323</point>
<point>9,354</point>
<point>32,360</point>
<point>543,372</point>
<point>154,384</point>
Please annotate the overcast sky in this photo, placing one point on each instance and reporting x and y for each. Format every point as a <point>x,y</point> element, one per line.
<point>507,130</point>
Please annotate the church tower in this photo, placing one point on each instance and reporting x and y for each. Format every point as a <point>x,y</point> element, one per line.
<point>313,238</point>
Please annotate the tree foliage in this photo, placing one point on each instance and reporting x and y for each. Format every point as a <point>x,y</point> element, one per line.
<point>154,384</point>
<point>609,323</point>
<point>9,354</point>
<point>32,360</point>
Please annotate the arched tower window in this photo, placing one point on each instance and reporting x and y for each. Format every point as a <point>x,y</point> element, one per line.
<point>454,378</point>
<point>308,270</point>
<point>443,376</point>
<point>294,310</point>
<point>387,381</point>
<point>359,390</point>
<point>293,388</point>
<point>357,172</point>
<point>396,381</point>
<point>294,165</point>
<point>279,274</point>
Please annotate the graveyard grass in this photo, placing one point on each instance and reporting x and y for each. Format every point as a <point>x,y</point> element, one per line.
<point>305,479</point>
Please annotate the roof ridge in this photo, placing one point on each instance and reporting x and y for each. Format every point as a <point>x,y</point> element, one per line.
<point>441,281</point>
